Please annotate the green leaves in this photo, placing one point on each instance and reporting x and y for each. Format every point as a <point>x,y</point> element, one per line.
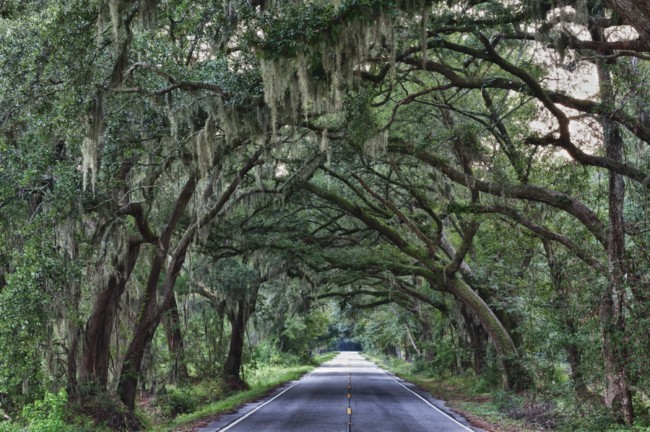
<point>35,293</point>
<point>48,414</point>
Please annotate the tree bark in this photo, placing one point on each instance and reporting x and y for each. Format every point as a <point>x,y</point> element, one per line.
<point>73,329</point>
<point>149,318</point>
<point>574,356</point>
<point>238,315</point>
<point>514,377</point>
<point>637,14</point>
<point>427,337</point>
<point>93,371</point>
<point>478,340</point>
<point>618,393</point>
<point>151,312</point>
<point>232,367</point>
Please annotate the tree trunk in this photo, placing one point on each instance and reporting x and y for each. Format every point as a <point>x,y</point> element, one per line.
<point>238,318</point>
<point>514,376</point>
<point>93,372</point>
<point>478,340</point>
<point>618,394</point>
<point>410,339</point>
<point>172,325</point>
<point>73,352</point>
<point>427,337</point>
<point>143,332</point>
<point>97,337</point>
<point>73,330</point>
<point>150,312</point>
<point>637,14</point>
<point>232,367</point>
<point>507,319</point>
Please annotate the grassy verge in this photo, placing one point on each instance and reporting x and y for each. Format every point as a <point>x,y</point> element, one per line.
<point>463,394</point>
<point>261,381</point>
<point>492,409</point>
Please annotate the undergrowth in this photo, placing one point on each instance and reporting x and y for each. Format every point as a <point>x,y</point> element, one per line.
<point>172,408</point>
<point>182,406</point>
<point>484,403</point>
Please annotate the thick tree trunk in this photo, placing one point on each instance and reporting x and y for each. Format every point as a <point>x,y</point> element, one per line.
<point>132,366</point>
<point>232,367</point>
<point>150,316</point>
<point>145,327</point>
<point>93,371</point>
<point>478,341</point>
<point>238,318</point>
<point>73,330</point>
<point>618,394</point>
<point>150,312</point>
<point>508,319</point>
<point>73,352</point>
<point>637,14</point>
<point>97,337</point>
<point>514,377</point>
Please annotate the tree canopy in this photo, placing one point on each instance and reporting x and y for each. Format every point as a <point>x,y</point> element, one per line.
<point>478,169</point>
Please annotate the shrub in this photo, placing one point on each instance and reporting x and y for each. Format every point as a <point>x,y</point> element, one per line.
<point>47,414</point>
<point>8,427</point>
<point>175,401</point>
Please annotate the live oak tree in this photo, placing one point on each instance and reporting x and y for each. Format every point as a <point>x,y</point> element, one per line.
<point>483,64</point>
<point>407,143</point>
<point>181,141</point>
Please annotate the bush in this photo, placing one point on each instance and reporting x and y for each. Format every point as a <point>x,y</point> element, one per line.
<point>484,384</point>
<point>173,401</point>
<point>47,414</point>
<point>269,354</point>
<point>506,402</point>
<point>8,427</point>
<point>587,416</point>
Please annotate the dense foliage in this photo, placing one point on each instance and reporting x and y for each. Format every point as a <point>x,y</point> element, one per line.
<point>192,191</point>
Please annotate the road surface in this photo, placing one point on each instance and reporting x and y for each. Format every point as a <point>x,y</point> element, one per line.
<point>346,394</point>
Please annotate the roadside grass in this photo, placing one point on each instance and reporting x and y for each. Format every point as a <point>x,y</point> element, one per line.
<point>494,410</point>
<point>261,381</point>
<point>464,394</point>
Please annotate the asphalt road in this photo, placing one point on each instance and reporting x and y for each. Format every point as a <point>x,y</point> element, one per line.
<point>346,394</point>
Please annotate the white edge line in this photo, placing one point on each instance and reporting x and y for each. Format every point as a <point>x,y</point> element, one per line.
<point>257,408</point>
<point>429,403</point>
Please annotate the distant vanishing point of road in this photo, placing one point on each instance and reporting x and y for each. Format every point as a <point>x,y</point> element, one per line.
<point>346,394</point>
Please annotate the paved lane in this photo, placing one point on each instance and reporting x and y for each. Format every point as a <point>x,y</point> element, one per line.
<point>346,394</point>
